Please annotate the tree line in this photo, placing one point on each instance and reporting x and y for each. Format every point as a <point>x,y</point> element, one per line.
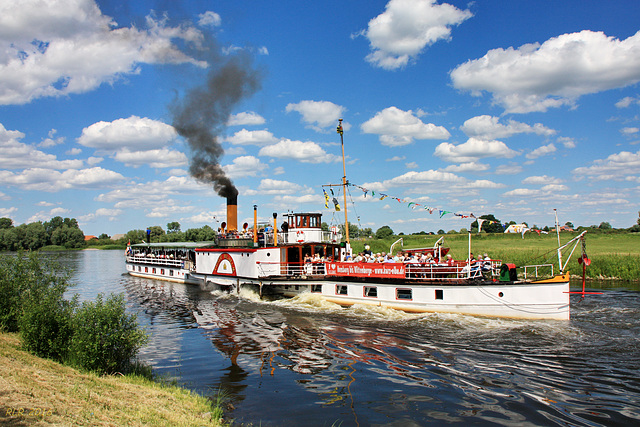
<point>58,231</point>
<point>65,232</point>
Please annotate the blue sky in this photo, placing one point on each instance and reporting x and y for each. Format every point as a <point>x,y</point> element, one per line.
<point>505,108</point>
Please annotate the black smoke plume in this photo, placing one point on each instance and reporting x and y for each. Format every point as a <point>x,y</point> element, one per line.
<point>201,117</point>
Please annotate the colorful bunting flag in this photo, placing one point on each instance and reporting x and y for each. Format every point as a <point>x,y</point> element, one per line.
<point>412,205</point>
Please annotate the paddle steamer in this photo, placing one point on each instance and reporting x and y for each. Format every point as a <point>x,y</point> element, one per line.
<point>301,257</point>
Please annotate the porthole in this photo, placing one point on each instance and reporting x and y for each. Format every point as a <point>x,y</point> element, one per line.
<point>500,294</point>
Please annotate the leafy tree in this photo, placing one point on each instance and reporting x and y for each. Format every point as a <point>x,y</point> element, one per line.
<point>173,227</point>
<point>204,234</point>
<point>491,225</point>
<point>68,237</point>
<point>6,223</point>
<point>71,223</point>
<point>354,231</point>
<point>569,224</point>
<point>176,236</point>
<point>441,231</point>
<point>31,236</point>
<point>384,232</point>
<point>155,233</point>
<point>104,236</point>
<point>136,236</point>
<point>26,281</point>
<point>9,239</point>
<point>53,224</point>
<point>605,226</point>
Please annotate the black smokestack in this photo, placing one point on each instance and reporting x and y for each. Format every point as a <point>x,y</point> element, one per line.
<point>202,115</point>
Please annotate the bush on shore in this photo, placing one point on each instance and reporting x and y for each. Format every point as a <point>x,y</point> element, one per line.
<point>105,338</point>
<point>96,336</point>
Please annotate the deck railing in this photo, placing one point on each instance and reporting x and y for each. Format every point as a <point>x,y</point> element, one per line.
<point>266,239</point>
<point>414,272</point>
<point>542,270</point>
<point>143,259</point>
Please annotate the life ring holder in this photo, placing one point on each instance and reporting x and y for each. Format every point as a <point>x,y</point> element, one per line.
<point>300,236</point>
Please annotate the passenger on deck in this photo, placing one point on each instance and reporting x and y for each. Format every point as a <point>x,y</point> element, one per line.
<point>367,250</point>
<point>449,262</point>
<point>486,263</point>
<point>308,266</point>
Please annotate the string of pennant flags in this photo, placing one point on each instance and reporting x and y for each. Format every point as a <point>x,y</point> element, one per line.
<point>430,209</point>
<point>412,205</point>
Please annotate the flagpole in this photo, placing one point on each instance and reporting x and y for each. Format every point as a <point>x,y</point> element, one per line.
<point>344,185</point>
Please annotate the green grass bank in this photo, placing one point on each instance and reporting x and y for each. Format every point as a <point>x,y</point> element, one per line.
<point>40,392</point>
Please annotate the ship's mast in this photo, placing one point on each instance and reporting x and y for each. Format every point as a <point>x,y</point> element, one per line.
<point>558,234</point>
<point>344,184</point>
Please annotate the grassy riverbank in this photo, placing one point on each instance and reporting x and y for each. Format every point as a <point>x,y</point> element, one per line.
<point>40,392</point>
<point>614,255</point>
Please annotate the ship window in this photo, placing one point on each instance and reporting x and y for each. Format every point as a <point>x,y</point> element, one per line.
<point>405,294</point>
<point>316,288</point>
<point>371,291</point>
<point>341,289</point>
<point>162,271</point>
<point>296,287</point>
<point>146,269</point>
<point>439,294</point>
<point>170,272</point>
<point>154,271</point>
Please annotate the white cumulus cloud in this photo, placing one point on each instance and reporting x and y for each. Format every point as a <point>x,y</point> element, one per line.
<point>136,133</point>
<point>52,181</point>
<point>616,167</point>
<point>244,166</point>
<point>541,151</point>
<point>252,137</point>
<point>407,27</point>
<point>472,150</point>
<point>18,155</point>
<point>58,48</point>
<point>305,152</point>
<point>537,77</point>
<point>318,114</point>
<point>487,127</point>
<point>161,158</point>
<point>397,127</point>
<point>245,118</point>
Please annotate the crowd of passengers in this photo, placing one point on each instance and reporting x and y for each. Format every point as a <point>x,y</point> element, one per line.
<point>159,255</point>
<point>420,259</point>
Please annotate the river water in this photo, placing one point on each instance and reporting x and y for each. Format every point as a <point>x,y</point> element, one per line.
<point>309,362</point>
